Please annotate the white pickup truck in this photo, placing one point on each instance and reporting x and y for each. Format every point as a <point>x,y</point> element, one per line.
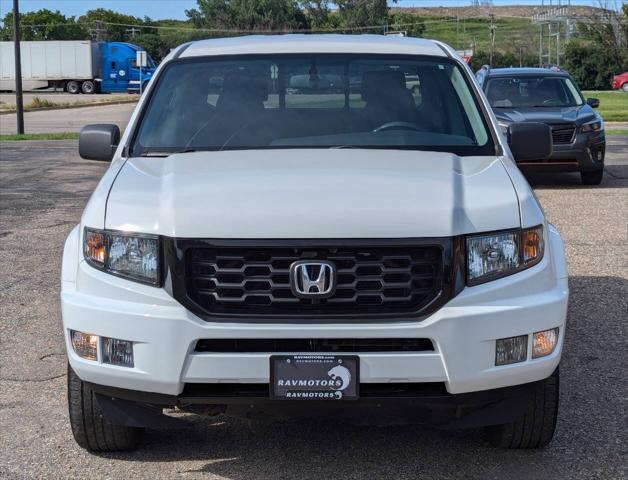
<point>366,244</point>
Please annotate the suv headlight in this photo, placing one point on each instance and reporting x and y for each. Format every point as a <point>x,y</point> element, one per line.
<point>129,255</point>
<point>495,255</point>
<point>592,126</point>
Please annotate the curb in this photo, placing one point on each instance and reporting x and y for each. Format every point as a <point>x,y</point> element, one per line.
<point>67,107</point>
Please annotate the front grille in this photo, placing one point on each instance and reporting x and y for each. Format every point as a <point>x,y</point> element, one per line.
<point>256,281</point>
<point>309,345</point>
<point>563,133</point>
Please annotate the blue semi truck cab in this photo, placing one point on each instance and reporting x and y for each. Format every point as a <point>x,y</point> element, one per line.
<point>119,71</point>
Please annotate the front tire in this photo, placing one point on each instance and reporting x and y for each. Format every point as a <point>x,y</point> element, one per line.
<point>593,177</point>
<point>624,87</point>
<point>89,427</point>
<point>535,428</point>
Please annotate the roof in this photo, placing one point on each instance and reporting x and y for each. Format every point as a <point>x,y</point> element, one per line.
<point>546,72</point>
<point>315,43</point>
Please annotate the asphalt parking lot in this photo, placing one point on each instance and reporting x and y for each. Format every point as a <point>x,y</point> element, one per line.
<point>44,187</point>
<point>68,120</point>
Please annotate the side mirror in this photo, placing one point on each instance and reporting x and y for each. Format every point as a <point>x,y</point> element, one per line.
<point>99,141</point>
<point>593,102</point>
<point>530,141</point>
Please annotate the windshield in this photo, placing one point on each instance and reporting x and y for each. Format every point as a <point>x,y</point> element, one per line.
<point>312,101</point>
<point>532,91</point>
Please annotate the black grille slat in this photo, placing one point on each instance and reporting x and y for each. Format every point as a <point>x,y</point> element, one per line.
<point>370,280</point>
<point>562,134</point>
<point>314,345</point>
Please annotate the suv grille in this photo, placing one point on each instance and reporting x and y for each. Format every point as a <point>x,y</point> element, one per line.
<point>256,281</point>
<point>563,133</point>
<point>302,345</point>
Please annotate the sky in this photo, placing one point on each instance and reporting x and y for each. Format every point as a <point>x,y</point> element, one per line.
<point>160,9</point>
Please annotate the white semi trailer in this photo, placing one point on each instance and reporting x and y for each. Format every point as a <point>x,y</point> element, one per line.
<point>75,66</point>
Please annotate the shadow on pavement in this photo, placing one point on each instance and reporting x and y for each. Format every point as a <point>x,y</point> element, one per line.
<point>587,438</point>
<point>615,176</point>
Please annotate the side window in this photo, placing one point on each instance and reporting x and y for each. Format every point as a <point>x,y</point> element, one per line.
<point>471,111</point>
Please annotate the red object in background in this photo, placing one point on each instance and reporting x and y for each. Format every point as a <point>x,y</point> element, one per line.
<point>621,82</point>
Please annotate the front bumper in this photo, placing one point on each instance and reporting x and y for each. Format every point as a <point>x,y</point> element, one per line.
<point>463,332</point>
<point>406,404</point>
<point>585,153</point>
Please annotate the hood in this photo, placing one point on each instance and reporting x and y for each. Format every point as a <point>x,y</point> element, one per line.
<point>336,193</point>
<point>578,115</point>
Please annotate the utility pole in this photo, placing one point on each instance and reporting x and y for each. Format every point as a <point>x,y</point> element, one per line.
<point>492,29</point>
<point>98,32</point>
<point>557,35</point>
<point>457,30</point>
<point>132,31</point>
<point>19,98</point>
<point>520,57</point>
<point>540,44</point>
<point>549,44</point>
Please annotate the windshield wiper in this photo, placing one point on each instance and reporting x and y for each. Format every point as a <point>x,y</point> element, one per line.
<point>155,154</point>
<point>158,153</point>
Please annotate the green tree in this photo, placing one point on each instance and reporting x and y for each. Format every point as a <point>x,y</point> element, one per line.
<point>362,13</point>
<point>412,24</point>
<point>114,25</point>
<point>248,15</point>
<point>605,36</point>
<point>211,14</point>
<point>318,14</point>
<point>592,65</point>
<point>43,24</point>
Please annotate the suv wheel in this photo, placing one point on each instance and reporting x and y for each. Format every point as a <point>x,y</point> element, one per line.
<point>535,428</point>
<point>593,177</point>
<point>89,427</point>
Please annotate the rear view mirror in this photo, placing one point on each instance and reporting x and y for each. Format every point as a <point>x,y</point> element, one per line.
<point>99,141</point>
<point>530,141</point>
<point>593,102</point>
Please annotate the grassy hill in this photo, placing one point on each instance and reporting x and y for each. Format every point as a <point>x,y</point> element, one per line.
<point>462,27</point>
<point>511,33</point>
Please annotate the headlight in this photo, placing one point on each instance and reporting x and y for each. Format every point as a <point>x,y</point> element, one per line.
<point>130,255</point>
<point>496,255</point>
<point>592,126</point>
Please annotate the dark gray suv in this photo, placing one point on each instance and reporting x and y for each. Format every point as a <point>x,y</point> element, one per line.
<point>550,96</point>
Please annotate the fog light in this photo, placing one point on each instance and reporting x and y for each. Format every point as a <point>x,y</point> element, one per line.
<point>85,345</point>
<point>544,342</point>
<point>117,352</point>
<point>511,350</point>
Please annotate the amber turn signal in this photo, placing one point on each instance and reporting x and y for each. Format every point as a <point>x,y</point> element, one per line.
<point>532,245</point>
<point>94,245</point>
<point>544,342</point>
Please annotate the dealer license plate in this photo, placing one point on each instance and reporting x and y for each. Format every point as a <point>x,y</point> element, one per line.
<point>314,377</point>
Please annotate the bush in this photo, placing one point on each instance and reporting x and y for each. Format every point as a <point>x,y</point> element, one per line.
<point>592,66</point>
